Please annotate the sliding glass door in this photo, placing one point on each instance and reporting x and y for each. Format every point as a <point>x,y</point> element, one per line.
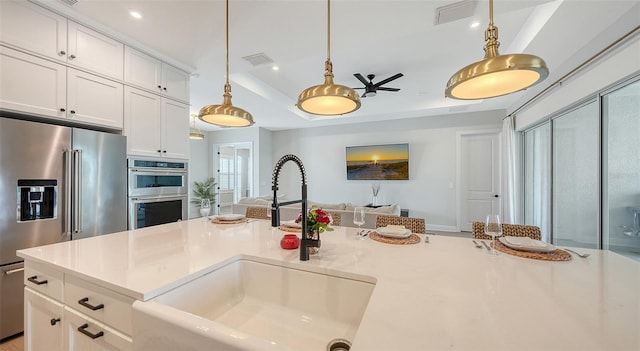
<point>621,170</point>
<point>575,168</point>
<point>582,173</point>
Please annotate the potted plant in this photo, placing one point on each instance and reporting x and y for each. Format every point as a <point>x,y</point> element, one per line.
<point>204,190</point>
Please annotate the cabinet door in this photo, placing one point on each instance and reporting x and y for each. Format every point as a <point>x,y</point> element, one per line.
<point>31,85</point>
<point>95,100</point>
<point>142,70</point>
<point>175,82</point>
<point>33,28</point>
<point>85,334</point>
<point>175,135</point>
<point>142,122</point>
<point>42,322</point>
<point>93,51</point>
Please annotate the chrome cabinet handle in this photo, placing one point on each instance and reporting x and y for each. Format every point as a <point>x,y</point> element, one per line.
<point>85,302</point>
<point>83,330</point>
<point>34,280</point>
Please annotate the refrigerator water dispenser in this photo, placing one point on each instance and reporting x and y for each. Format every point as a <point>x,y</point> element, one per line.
<point>37,199</point>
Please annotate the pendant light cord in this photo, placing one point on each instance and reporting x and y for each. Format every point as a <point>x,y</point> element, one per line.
<point>490,13</point>
<point>328,30</point>
<point>227,44</point>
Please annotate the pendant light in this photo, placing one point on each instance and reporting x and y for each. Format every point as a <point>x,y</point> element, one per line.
<point>194,132</point>
<point>496,74</point>
<point>328,99</point>
<point>226,115</point>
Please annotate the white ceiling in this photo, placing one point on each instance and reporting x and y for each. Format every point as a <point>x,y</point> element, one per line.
<point>379,37</point>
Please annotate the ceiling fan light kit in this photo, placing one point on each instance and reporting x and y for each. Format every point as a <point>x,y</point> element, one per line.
<point>496,74</point>
<point>328,99</point>
<point>226,115</point>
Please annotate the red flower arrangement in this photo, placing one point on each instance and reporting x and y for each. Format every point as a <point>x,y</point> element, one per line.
<point>317,219</point>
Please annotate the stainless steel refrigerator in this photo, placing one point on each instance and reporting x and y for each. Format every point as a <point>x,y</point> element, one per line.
<point>56,183</point>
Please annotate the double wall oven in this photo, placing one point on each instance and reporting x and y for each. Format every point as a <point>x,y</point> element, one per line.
<point>157,192</point>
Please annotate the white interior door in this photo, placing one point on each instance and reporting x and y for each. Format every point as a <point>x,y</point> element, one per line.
<point>479,177</point>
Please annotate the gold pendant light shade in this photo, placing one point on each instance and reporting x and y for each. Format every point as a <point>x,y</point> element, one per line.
<point>496,74</point>
<point>226,115</point>
<point>194,132</point>
<point>328,99</point>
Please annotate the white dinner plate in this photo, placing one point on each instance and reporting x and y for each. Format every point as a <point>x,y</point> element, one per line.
<point>394,232</point>
<point>291,224</point>
<point>229,217</point>
<point>525,243</point>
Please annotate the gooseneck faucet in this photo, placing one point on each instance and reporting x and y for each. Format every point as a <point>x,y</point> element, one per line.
<point>306,242</point>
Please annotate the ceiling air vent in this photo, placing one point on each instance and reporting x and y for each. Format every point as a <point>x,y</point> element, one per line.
<point>69,2</point>
<point>258,59</point>
<point>453,12</point>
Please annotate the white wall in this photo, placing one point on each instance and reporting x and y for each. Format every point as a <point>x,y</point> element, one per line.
<point>199,168</point>
<point>430,191</point>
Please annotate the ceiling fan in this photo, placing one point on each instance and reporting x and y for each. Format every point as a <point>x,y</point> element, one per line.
<point>370,89</point>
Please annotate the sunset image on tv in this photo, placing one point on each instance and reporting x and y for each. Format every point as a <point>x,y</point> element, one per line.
<point>378,162</point>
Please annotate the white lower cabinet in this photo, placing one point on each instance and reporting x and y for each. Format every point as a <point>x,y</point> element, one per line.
<point>64,312</point>
<point>86,334</point>
<point>43,321</point>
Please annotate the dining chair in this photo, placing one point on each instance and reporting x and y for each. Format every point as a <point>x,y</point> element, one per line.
<point>416,225</point>
<point>336,217</point>
<point>257,212</point>
<point>508,230</point>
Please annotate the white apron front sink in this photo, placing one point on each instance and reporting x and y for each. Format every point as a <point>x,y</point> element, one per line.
<point>254,304</point>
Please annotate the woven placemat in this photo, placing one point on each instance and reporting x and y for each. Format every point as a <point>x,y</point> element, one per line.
<point>557,255</point>
<point>412,239</point>
<point>284,228</point>
<point>217,221</point>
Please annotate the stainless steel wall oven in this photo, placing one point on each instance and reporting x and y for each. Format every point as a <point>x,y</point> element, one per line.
<point>157,192</point>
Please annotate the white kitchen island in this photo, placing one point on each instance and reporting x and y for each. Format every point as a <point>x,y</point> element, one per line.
<point>445,294</point>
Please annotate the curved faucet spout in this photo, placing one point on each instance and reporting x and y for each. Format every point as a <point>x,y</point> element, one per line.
<point>305,242</point>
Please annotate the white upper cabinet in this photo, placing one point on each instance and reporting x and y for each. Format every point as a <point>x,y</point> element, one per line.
<point>155,126</point>
<point>19,91</point>
<point>149,73</point>
<point>30,27</point>
<point>26,26</point>
<point>95,100</point>
<point>93,51</point>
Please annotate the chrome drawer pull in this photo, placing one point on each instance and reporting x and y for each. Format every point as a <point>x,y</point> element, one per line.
<point>35,280</point>
<point>84,302</point>
<point>83,330</point>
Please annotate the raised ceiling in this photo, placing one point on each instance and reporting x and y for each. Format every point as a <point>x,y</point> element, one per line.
<point>377,37</point>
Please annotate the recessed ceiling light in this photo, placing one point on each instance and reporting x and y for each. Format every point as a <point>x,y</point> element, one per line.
<point>135,14</point>
<point>275,68</point>
<point>475,24</point>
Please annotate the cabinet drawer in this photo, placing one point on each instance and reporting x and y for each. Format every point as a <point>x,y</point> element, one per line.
<point>99,303</point>
<point>43,280</point>
<point>85,333</point>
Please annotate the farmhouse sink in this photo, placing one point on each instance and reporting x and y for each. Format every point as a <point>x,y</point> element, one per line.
<point>252,303</point>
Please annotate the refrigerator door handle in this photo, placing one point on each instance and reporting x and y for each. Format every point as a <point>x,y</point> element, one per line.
<point>68,175</point>
<point>77,189</point>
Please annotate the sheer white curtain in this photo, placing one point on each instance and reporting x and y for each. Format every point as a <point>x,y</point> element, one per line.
<point>509,172</point>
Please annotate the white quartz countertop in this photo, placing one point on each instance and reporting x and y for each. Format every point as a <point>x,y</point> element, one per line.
<point>446,294</point>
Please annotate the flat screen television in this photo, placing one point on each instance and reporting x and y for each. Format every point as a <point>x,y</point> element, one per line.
<point>378,162</point>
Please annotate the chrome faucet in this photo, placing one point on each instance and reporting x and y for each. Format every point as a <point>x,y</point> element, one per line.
<point>306,242</point>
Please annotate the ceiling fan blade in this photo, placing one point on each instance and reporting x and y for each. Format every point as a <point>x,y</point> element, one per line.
<point>361,78</point>
<point>385,81</point>
<point>388,89</point>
